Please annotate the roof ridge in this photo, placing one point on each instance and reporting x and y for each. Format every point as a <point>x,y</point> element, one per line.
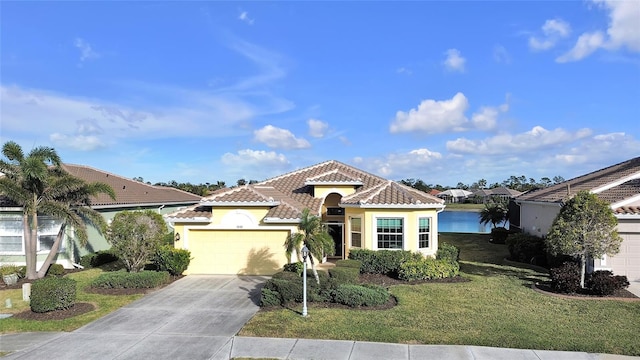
<point>376,190</point>
<point>294,172</point>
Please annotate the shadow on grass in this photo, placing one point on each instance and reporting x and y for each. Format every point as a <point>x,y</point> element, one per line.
<point>484,269</point>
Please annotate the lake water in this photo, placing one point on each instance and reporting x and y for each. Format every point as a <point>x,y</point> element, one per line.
<point>461,221</point>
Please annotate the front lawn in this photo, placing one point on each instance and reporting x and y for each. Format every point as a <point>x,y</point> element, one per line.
<point>496,308</point>
<point>104,304</point>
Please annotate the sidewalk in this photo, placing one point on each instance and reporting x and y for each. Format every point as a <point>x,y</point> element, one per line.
<point>33,345</point>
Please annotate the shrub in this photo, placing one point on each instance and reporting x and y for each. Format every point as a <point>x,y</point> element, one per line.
<point>428,269</point>
<point>287,275</point>
<point>499,235</point>
<point>269,297</point>
<point>350,263</point>
<point>125,280</point>
<point>55,270</point>
<point>526,248</point>
<point>296,267</point>
<point>175,261</point>
<point>344,275</point>
<point>385,262</point>
<point>604,283</point>
<point>358,295</point>
<point>52,293</point>
<point>566,278</point>
<point>447,252</point>
<point>9,269</point>
<point>98,258</point>
<point>289,290</point>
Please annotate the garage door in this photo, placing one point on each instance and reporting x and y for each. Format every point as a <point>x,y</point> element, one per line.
<point>627,261</point>
<point>245,252</point>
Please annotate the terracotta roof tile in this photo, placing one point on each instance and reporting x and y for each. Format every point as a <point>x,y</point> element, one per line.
<point>242,194</point>
<point>333,177</point>
<point>192,213</point>
<point>628,210</point>
<point>392,193</point>
<point>621,192</point>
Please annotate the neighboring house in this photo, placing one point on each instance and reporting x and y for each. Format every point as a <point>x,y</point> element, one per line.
<point>454,195</point>
<point>500,193</point>
<point>130,195</point>
<point>619,185</point>
<point>242,230</point>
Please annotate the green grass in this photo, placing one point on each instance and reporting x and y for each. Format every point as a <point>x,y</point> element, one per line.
<point>104,304</point>
<point>496,308</point>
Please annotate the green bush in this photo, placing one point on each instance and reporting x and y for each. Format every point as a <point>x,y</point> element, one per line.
<point>447,252</point>
<point>55,270</point>
<point>604,283</point>
<point>527,248</point>
<point>428,269</point>
<point>349,263</point>
<point>269,297</point>
<point>126,280</point>
<point>296,267</point>
<point>168,258</point>
<point>289,290</point>
<point>566,278</point>
<point>97,259</point>
<point>385,262</point>
<point>499,235</point>
<point>9,269</point>
<point>52,293</point>
<point>344,275</point>
<point>358,295</point>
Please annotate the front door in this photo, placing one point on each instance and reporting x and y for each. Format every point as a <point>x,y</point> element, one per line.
<point>335,229</point>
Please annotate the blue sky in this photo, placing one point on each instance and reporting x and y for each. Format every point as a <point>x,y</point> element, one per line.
<point>441,91</point>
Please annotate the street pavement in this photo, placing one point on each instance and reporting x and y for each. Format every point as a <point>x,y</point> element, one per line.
<point>197,317</point>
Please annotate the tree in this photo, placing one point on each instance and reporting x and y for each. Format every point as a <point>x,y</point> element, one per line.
<point>314,235</point>
<point>135,236</point>
<point>585,228</point>
<point>38,183</point>
<point>494,213</point>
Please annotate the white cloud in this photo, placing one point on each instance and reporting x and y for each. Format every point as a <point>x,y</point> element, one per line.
<point>439,116</point>
<point>395,164</point>
<point>244,16</point>
<point>317,128</point>
<point>501,55</point>
<point>86,52</point>
<point>404,70</point>
<point>454,61</point>
<point>538,138</point>
<point>433,116</point>
<point>261,158</point>
<point>276,138</point>
<point>77,142</point>
<point>553,30</point>
<point>622,31</point>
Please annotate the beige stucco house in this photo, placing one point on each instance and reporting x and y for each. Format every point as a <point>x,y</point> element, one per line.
<point>619,185</point>
<point>242,230</point>
<point>130,195</point>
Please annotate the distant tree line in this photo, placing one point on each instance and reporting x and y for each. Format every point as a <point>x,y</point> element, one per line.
<point>198,189</point>
<point>519,183</point>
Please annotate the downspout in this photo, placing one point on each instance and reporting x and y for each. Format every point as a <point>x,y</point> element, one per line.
<point>160,208</point>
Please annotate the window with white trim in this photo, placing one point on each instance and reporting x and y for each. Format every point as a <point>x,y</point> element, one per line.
<point>423,232</point>
<point>12,232</point>
<point>389,233</point>
<point>356,232</point>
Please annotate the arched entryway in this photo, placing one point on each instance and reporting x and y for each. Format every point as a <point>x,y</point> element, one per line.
<point>333,217</point>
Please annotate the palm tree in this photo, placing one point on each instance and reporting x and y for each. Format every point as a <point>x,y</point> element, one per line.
<point>494,213</point>
<point>39,184</point>
<point>314,235</point>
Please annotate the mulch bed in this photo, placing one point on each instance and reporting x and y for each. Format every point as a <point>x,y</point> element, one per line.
<point>621,294</point>
<point>75,310</point>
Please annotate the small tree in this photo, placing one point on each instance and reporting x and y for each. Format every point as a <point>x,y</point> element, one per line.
<point>494,213</point>
<point>135,236</point>
<point>585,227</point>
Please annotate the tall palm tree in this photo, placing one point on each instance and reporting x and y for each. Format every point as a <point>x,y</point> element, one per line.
<point>494,213</point>
<point>314,235</point>
<point>38,183</point>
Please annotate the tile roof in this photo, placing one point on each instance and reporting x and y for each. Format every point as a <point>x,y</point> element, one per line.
<point>594,181</point>
<point>197,213</point>
<point>627,210</point>
<point>292,192</point>
<point>128,192</point>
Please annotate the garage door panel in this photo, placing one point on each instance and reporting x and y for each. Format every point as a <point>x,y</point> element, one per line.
<point>245,252</point>
<point>627,261</point>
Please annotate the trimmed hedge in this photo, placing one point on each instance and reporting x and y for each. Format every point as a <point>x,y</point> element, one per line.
<point>296,267</point>
<point>350,263</point>
<point>358,295</point>
<point>288,290</point>
<point>269,297</point>
<point>527,249</point>
<point>499,235</point>
<point>173,260</point>
<point>345,275</point>
<point>385,262</point>
<point>447,252</point>
<point>566,278</point>
<point>127,280</point>
<point>52,293</point>
<point>603,283</point>
<point>55,270</point>
<point>428,269</point>
<point>98,258</point>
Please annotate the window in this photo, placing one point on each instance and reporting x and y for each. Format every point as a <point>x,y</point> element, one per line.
<point>47,231</point>
<point>423,232</point>
<point>11,234</point>
<point>356,232</point>
<point>389,233</point>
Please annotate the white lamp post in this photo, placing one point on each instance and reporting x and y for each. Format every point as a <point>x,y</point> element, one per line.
<point>305,253</point>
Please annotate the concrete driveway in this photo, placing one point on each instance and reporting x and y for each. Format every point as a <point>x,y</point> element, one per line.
<point>193,318</point>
